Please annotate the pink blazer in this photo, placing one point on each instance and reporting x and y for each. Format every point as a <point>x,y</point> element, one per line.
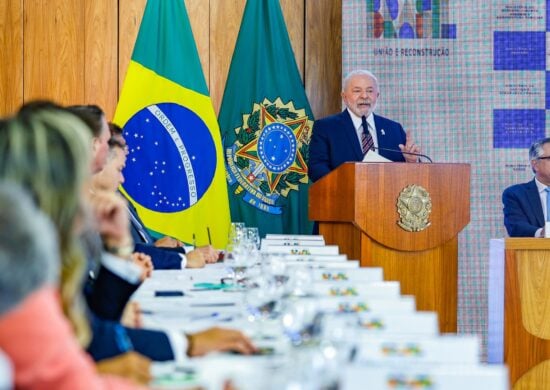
<point>43,350</point>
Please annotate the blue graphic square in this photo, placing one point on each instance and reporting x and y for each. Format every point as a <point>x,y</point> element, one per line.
<point>547,84</point>
<point>448,31</point>
<point>517,128</point>
<point>427,5</point>
<point>519,50</point>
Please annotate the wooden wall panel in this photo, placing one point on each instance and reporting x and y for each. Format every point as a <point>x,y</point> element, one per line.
<point>199,17</point>
<point>129,19</point>
<point>54,50</point>
<point>11,56</point>
<point>225,19</point>
<point>294,14</point>
<point>323,73</point>
<point>100,54</point>
<point>77,51</point>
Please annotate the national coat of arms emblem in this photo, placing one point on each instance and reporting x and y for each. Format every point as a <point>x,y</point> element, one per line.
<point>269,156</point>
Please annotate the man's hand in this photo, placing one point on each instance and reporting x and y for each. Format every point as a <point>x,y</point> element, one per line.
<point>167,242</point>
<point>131,316</point>
<point>130,365</point>
<point>210,254</point>
<point>195,259</point>
<point>410,147</point>
<point>218,339</point>
<point>145,264</point>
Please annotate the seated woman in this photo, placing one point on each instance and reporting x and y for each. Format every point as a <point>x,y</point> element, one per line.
<point>33,331</point>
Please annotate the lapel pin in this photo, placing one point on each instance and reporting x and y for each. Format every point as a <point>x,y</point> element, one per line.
<point>382,132</point>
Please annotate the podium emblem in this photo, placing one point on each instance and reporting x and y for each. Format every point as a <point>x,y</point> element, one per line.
<point>414,206</point>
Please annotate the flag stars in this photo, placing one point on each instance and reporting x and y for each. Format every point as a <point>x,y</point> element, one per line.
<point>156,143</point>
<point>136,135</point>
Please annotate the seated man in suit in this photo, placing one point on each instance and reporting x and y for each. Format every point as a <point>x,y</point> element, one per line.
<point>525,205</point>
<point>349,135</point>
<point>167,252</point>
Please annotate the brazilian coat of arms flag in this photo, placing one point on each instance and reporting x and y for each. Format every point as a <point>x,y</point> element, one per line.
<point>174,172</point>
<point>266,123</point>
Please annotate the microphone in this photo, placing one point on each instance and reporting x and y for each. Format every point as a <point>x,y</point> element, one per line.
<point>400,151</point>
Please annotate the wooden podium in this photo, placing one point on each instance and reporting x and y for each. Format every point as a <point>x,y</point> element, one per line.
<point>356,206</point>
<point>527,312</point>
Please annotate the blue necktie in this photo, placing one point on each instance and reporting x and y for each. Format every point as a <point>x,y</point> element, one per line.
<point>547,189</point>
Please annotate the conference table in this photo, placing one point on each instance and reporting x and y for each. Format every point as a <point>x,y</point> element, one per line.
<point>369,334</point>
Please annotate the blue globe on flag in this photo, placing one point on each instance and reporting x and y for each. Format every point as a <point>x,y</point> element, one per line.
<point>172,158</point>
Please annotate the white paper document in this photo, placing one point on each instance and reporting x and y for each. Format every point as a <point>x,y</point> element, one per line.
<point>374,157</point>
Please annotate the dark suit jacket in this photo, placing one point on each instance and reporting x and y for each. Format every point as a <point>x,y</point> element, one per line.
<point>523,213</point>
<point>334,141</point>
<point>110,339</point>
<point>106,295</point>
<point>162,258</point>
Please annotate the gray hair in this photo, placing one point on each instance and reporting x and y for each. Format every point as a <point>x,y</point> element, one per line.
<point>29,255</point>
<point>358,72</point>
<point>535,151</point>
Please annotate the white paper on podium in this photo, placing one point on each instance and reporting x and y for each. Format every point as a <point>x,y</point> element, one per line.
<point>374,157</point>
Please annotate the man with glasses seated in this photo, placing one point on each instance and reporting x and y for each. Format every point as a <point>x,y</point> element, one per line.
<point>527,205</point>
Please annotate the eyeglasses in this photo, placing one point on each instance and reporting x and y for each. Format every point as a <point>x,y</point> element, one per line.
<point>543,158</point>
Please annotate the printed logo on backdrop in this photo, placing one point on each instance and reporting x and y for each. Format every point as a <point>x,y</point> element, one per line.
<point>174,148</point>
<point>269,157</point>
<point>409,19</point>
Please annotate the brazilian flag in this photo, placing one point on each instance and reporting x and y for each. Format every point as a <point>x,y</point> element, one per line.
<point>174,171</point>
<point>266,124</point>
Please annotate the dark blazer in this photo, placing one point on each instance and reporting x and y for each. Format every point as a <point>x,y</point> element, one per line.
<point>106,295</point>
<point>523,213</point>
<point>110,339</point>
<point>162,258</point>
<point>334,141</point>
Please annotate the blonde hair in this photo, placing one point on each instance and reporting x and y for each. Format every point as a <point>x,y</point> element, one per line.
<point>46,150</point>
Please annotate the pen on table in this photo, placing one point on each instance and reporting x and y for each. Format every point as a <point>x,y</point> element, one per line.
<point>209,237</point>
<point>214,316</point>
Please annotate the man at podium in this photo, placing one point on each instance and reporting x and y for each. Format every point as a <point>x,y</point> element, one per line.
<point>349,135</point>
<point>526,205</point>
